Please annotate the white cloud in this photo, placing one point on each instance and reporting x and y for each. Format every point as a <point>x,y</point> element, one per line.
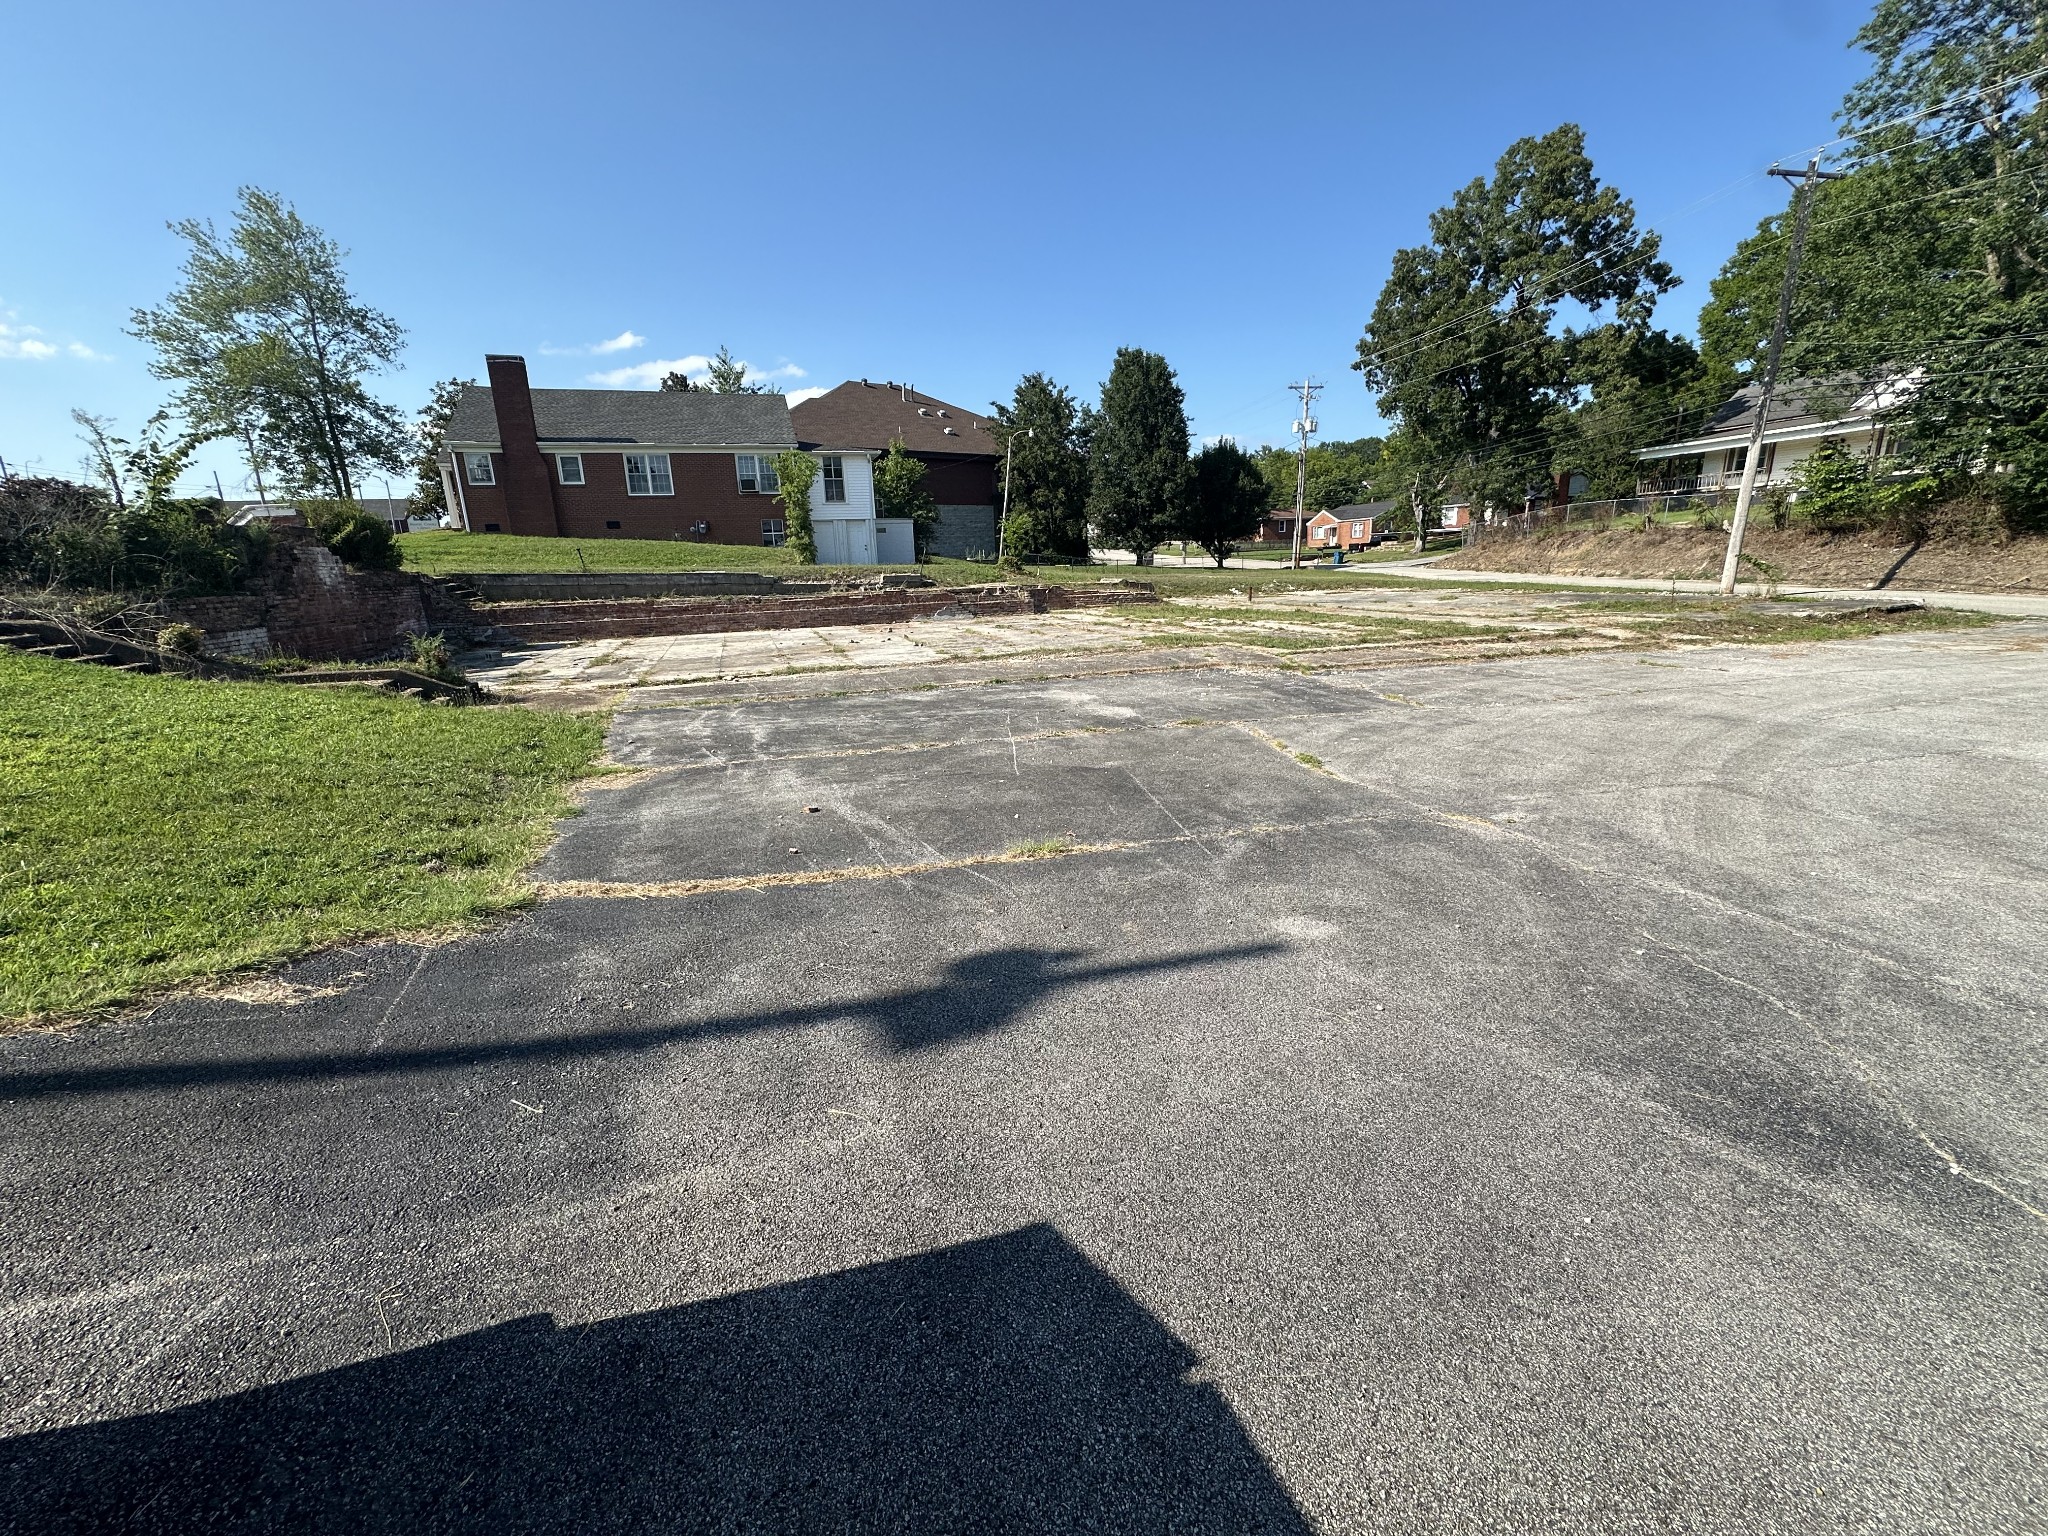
<point>80,349</point>
<point>625,341</point>
<point>648,375</point>
<point>799,396</point>
<point>24,342</point>
<point>697,367</point>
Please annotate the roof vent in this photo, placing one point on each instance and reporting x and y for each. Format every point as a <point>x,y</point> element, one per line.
<point>947,414</point>
<point>950,432</point>
<point>922,411</point>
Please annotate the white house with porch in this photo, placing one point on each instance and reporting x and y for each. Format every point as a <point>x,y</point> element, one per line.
<point>1804,414</point>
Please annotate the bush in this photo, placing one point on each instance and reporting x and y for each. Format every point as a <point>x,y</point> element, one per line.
<point>431,655</point>
<point>353,534</point>
<point>183,639</point>
<point>1833,488</point>
<point>54,533</point>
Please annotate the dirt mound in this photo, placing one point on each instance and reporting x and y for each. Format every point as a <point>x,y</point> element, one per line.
<point>1807,559</point>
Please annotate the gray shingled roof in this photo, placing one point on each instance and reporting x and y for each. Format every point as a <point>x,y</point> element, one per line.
<point>1798,407</point>
<point>686,419</point>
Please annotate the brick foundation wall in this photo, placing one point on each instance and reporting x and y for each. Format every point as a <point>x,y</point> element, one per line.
<point>309,604</point>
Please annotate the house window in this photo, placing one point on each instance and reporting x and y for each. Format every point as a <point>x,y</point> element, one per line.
<point>478,467</point>
<point>773,532</point>
<point>1733,461</point>
<point>757,473</point>
<point>569,466</point>
<point>647,475</point>
<point>490,527</point>
<point>1358,530</point>
<point>835,477</point>
<point>611,522</point>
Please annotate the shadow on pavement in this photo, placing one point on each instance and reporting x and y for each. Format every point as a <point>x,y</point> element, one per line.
<point>977,995</point>
<point>1003,1384</point>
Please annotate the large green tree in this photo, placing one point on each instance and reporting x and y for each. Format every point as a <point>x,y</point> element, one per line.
<point>1227,499</point>
<point>1045,433</point>
<point>1464,348</point>
<point>1138,473</point>
<point>1925,274</point>
<point>267,342</point>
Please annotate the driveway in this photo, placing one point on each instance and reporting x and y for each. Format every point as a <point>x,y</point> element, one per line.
<point>1597,1092</point>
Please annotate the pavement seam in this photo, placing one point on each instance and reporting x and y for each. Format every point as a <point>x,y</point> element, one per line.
<point>557,890</point>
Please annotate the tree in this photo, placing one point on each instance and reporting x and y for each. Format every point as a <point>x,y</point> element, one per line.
<point>1926,266</point>
<point>794,472</point>
<point>1463,347</point>
<point>899,488</point>
<point>677,383</point>
<point>267,340</point>
<point>1228,499</point>
<point>104,452</point>
<point>1410,474</point>
<point>1339,473</point>
<point>1045,432</point>
<point>430,494</point>
<point>729,377</point>
<point>1138,471</point>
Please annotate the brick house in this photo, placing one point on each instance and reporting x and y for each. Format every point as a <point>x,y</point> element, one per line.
<point>1359,526</point>
<point>963,463</point>
<point>646,464</point>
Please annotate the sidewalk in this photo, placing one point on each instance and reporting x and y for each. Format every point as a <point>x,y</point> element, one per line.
<point>2021,605</point>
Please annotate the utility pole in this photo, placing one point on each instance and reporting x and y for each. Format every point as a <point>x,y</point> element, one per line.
<point>1304,428</point>
<point>1801,206</point>
<point>1003,528</point>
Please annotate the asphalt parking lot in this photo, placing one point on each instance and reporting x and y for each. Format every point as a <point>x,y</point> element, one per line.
<point>1593,1092</point>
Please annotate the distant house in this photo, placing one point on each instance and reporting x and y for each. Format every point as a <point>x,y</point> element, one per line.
<point>1277,526</point>
<point>1804,414</point>
<point>963,462</point>
<point>1454,515</point>
<point>395,510</point>
<point>647,464</point>
<point>1359,526</point>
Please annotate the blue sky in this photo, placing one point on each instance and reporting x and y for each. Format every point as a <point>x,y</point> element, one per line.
<point>948,194</point>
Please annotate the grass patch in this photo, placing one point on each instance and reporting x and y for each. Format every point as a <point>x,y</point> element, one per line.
<point>1048,848</point>
<point>1308,759</point>
<point>154,830</point>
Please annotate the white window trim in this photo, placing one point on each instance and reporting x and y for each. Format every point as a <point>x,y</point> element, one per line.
<point>667,470</point>
<point>827,463</point>
<point>562,474</point>
<point>764,471</point>
<point>469,468</point>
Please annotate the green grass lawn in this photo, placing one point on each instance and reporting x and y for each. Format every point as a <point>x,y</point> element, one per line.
<point>154,830</point>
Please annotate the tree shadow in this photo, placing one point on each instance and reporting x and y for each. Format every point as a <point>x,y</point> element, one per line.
<point>1001,1385</point>
<point>977,995</point>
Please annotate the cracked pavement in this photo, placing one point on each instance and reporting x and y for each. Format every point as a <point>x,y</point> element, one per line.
<point>1589,1092</point>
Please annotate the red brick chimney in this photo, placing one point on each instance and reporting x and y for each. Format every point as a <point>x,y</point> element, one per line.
<point>528,488</point>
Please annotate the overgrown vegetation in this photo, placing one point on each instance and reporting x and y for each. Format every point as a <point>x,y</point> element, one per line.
<point>794,470</point>
<point>900,492</point>
<point>155,830</point>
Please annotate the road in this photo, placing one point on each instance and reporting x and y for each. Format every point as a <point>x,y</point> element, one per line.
<point>1596,1092</point>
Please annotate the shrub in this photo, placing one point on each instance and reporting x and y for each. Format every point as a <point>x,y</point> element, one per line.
<point>431,655</point>
<point>55,533</point>
<point>183,639</point>
<point>353,534</point>
<point>1833,488</point>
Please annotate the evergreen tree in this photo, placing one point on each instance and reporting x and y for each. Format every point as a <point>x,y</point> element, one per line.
<point>1139,477</point>
<point>1228,499</point>
<point>1046,432</point>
